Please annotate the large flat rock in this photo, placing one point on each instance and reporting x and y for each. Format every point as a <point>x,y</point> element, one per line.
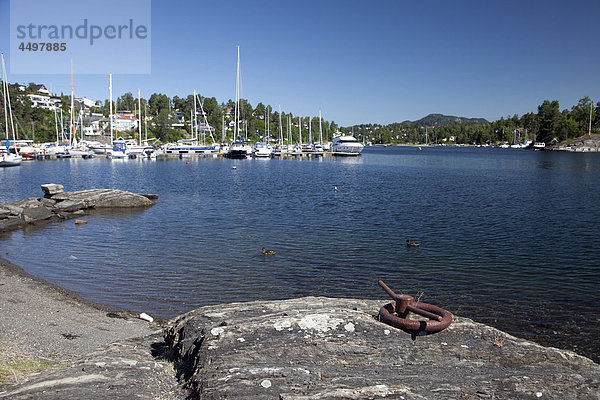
<point>105,198</point>
<point>323,348</point>
<point>65,205</point>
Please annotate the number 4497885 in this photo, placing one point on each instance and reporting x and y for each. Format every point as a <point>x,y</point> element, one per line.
<point>41,46</point>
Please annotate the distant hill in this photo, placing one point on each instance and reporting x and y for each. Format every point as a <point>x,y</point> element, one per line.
<point>440,119</point>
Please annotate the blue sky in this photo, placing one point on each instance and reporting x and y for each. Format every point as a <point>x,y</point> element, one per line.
<point>362,62</point>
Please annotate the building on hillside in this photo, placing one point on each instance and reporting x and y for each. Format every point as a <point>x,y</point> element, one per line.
<point>41,89</point>
<point>46,102</point>
<point>84,103</point>
<point>124,121</point>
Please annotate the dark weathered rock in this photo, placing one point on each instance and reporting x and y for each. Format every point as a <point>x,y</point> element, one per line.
<point>320,348</point>
<point>47,202</point>
<point>11,222</point>
<point>39,213</point>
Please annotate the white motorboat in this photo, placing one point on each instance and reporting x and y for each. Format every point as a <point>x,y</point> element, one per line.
<point>346,145</point>
<point>8,159</point>
<point>239,149</point>
<point>100,148</point>
<point>149,152</point>
<point>263,150</point>
<point>187,146</point>
<point>119,149</point>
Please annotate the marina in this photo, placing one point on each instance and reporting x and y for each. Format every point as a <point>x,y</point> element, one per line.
<point>336,226</point>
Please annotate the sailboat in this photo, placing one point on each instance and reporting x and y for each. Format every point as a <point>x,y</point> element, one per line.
<point>7,158</point>
<point>239,148</point>
<point>318,147</point>
<point>119,146</point>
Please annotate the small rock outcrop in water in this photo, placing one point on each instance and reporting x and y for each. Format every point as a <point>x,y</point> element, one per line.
<point>57,204</point>
<point>323,348</point>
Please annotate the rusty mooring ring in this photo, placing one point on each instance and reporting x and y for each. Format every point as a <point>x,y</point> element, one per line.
<point>402,305</point>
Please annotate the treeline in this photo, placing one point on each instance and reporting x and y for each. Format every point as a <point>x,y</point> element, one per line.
<point>547,124</point>
<point>254,122</point>
<point>260,121</point>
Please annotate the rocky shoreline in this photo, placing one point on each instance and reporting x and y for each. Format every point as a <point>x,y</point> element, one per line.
<point>59,205</point>
<point>306,348</point>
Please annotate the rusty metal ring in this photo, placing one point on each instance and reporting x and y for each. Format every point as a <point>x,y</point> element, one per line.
<point>396,314</point>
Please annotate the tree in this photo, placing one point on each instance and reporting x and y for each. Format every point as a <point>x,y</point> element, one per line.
<point>158,103</point>
<point>549,118</point>
<point>126,102</point>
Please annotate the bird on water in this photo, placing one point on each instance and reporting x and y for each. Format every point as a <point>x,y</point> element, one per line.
<point>267,252</point>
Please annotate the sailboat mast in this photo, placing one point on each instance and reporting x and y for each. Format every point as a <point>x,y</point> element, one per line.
<point>71,132</point>
<point>280,136</point>
<point>62,127</point>
<point>140,116</point>
<point>56,125</point>
<point>320,129</point>
<point>81,122</point>
<point>237,95</point>
<point>110,113</point>
<point>590,128</point>
<point>5,93</point>
<point>7,101</point>
<point>195,120</point>
<point>300,130</point>
<point>309,130</point>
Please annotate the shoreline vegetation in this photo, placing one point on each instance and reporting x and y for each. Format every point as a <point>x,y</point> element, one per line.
<point>167,119</point>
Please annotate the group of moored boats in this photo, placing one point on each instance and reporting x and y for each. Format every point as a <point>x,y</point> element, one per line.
<point>15,152</point>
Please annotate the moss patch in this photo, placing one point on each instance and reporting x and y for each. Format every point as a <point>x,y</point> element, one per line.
<point>15,365</point>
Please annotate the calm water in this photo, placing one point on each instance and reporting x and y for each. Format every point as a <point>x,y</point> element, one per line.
<point>508,237</point>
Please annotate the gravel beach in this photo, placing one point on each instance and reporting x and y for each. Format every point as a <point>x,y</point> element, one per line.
<point>43,323</point>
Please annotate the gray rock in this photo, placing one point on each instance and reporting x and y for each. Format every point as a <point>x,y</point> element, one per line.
<point>50,189</point>
<point>106,198</point>
<point>39,213</point>
<point>127,369</point>
<point>321,348</point>
<point>70,206</point>
<point>9,223</point>
<point>14,209</point>
<point>47,202</point>
<point>66,205</point>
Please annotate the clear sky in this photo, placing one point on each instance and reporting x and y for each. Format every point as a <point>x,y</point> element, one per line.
<point>364,61</point>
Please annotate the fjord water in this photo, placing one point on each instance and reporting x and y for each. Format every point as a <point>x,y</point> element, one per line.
<point>508,237</point>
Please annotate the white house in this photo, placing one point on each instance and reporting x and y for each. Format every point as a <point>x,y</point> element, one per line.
<point>85,102</point>
<point>47,102</point>
<point>125,121</point>
<point>41,89</point>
